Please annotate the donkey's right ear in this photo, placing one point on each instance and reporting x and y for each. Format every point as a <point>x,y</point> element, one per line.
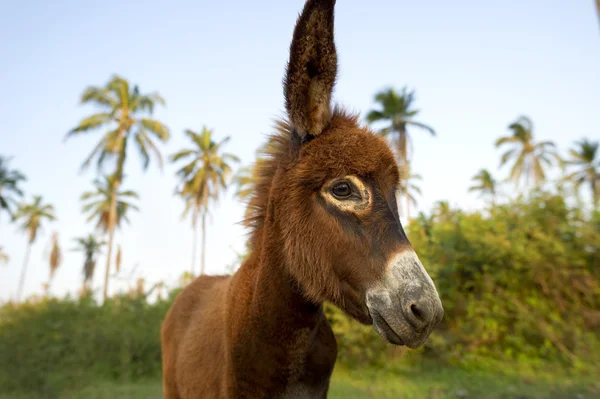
<point>311,70</point>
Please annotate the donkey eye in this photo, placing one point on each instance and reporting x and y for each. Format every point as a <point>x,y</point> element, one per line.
<point>342,190</point>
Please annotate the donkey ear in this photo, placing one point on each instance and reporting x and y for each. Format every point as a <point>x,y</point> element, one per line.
<point>312,69</point>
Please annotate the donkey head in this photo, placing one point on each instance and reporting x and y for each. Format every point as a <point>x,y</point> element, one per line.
<point>333,198</point>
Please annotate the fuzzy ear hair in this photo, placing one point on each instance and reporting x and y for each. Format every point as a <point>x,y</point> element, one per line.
<point>312,69</point>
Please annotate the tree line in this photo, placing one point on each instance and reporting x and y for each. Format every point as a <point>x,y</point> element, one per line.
<point>125,122</point>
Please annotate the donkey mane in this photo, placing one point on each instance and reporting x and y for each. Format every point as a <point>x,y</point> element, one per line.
<point>279,150</point>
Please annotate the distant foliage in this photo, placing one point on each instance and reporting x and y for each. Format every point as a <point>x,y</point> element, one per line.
<point>520,282</point>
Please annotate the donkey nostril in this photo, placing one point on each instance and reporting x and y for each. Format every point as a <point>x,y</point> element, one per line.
<point>417,314</point>
<point>415,310</point>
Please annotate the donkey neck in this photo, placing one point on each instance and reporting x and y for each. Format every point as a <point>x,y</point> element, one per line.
<point>273,330</point>
<point>274,296</point>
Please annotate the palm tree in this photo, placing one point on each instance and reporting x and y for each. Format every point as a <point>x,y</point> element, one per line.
<point>91,247</point>
<point>202,178</point>
<point>398,113</point>
<point>530,157</point>
<point>9,185</point>
<point>99,205</point>
<point>485,184</point>
<point>409,189</point>
<point>32,216</point>
<point>586,158</point>
<point>55,259</point>
<point>3,256</point>
<point>125,114</point>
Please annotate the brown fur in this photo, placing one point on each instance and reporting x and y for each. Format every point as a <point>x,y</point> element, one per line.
<point>262,333</point>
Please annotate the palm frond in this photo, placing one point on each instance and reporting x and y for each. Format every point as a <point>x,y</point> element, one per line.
<point>156,127</point>
<point>181,154</point>
<point>100,96</point>
<point>91,122</point>
<point>422,126</point>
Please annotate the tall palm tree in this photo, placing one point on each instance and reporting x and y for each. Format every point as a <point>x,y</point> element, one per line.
<point>126,116</point>
<point>485,184</point>
<point>586,158</point>
<point>91,247</point>
<point>202,178</point>
<point>409,189</point>
<point>529,157</point>
<point>9,185</point>
<point>3,256</point>
<point>398,113</point>
<point>32,215</point>
<point>99,204</point>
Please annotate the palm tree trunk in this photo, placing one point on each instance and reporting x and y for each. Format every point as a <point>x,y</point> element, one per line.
<point>24,271</point>
<point>194,241</point>
<point>403,146</point>
<point>203,241</point>
<point>112,216</point>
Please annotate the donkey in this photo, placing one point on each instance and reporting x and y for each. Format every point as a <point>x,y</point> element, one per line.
<point>324,226</point>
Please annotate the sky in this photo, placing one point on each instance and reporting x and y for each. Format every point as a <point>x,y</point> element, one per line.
<point>476,66</point>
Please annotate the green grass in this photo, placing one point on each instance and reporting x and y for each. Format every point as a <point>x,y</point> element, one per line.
<point>404,383</point>
<point>455,383</point>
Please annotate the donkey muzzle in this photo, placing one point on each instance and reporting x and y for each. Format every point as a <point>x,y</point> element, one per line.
<point>405,305</point>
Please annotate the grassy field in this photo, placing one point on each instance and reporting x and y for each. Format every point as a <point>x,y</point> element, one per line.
<point>404,383</point>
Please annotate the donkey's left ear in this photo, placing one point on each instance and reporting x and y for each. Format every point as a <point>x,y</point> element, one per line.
<point>312,69</point>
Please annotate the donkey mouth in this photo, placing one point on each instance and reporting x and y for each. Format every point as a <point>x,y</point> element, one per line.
<point>384,329</point>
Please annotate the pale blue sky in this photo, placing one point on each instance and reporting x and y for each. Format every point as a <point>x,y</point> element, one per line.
<point>476,66</point>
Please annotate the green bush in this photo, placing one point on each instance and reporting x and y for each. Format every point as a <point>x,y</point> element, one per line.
<point>54,344</point>
<point>518,283</point>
